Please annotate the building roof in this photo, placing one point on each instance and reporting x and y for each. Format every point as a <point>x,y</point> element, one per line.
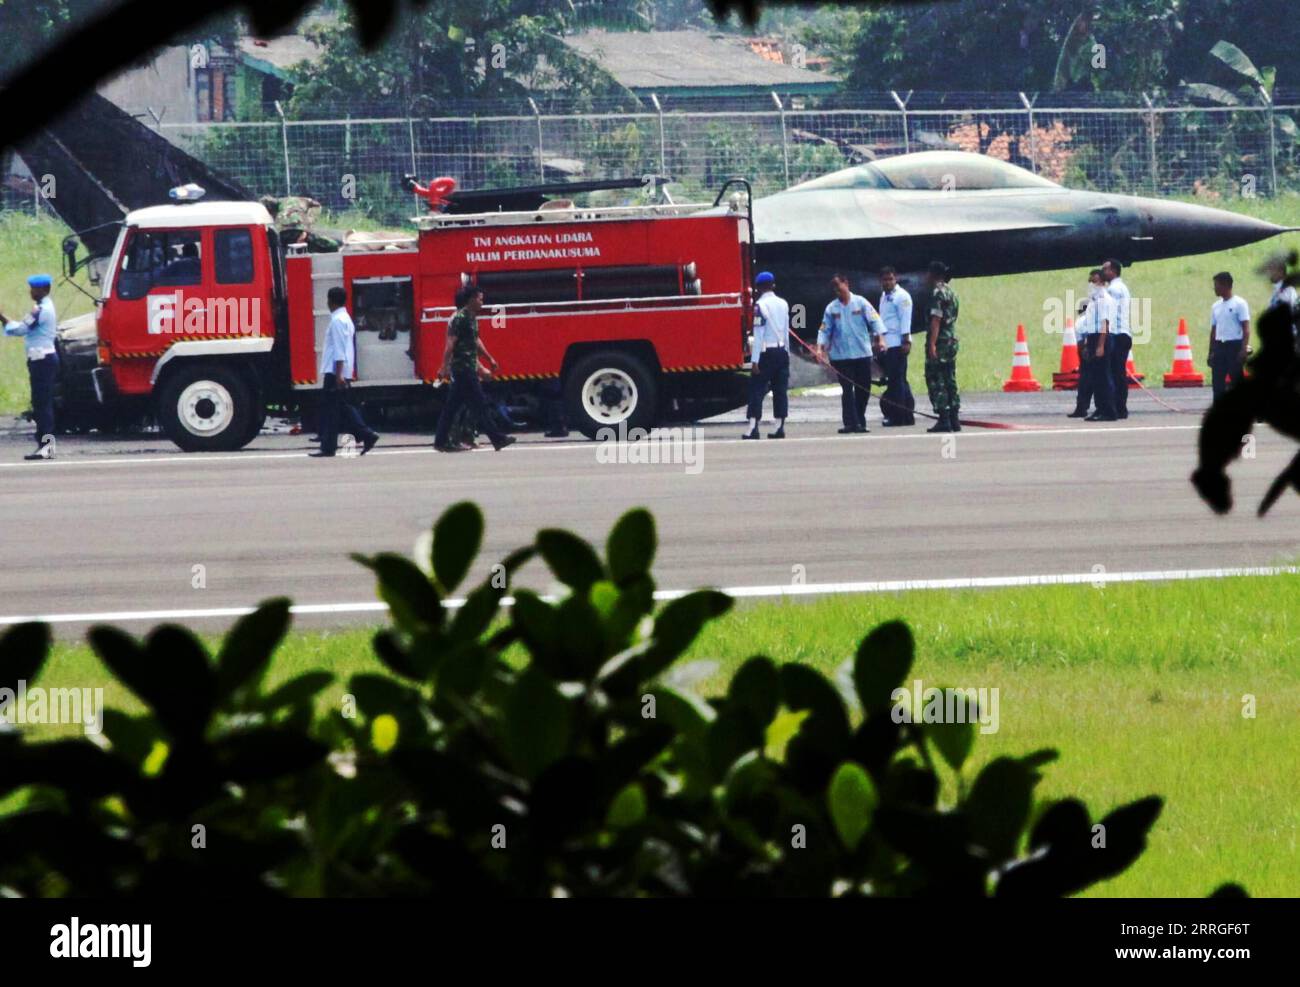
<point>200,213</point>
<point>667,61</point>
<point>277,56</point>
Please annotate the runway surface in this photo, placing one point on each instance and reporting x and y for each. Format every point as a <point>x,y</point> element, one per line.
<point>119,526</point>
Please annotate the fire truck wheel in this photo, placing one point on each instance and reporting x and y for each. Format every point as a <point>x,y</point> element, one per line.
<point>207,408</point>
<point>604,390</point>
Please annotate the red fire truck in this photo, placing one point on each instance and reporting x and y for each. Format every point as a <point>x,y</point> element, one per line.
<point>632,315</point>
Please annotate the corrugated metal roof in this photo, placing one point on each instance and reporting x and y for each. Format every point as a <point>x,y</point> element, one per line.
<point>667,60</point>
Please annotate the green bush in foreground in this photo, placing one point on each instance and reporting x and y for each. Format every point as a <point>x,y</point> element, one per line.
<point>579,771</point>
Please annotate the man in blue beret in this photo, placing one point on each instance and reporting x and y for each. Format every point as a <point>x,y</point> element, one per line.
<point>770,356</point>
<point>38,332</point>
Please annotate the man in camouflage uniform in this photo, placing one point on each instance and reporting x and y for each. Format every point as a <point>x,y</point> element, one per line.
<point>941,351</point>
<point>460,369</point>
<point>295,220</point>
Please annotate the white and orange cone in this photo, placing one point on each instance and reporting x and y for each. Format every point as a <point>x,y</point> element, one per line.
<point>1183,373</point>
<point>1022,377</point>
<point>1067,378</point>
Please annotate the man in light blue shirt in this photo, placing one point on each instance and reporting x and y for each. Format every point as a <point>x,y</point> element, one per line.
<point>39,331</point>
<point>770,356</point>
<point>897,403</point>
<point>337,368</point>
<point>1229,335</point>
<point>1119,343</point>
<point>849,333</point>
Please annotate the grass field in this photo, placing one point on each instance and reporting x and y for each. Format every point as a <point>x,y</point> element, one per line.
<point>1139,686</point>
<point>990,307</point>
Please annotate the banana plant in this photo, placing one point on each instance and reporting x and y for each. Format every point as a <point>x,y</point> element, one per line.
<point>1256,88</point>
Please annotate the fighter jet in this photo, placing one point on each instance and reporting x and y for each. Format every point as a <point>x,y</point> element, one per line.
<point>980,215</point>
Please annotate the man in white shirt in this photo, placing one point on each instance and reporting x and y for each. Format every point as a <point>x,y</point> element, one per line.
<point>1283,294</point>
<point>337,368</point>
<point>1120,343</point>
<point>770,356</point>
<point>1229,335</point>
<point>895,310</point>
<point>39,333</point>
<point>1095,380</point>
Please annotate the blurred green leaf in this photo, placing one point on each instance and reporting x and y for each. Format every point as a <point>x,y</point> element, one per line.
<point>538,721</point>
<point>783,729</point>
<point>457,537</point>
<point>630,548</point>
<point>852,801</point>
<point>884,658</point>
<point>171,674</point>
<point>23,650</point>
<point>296,691</point>
<point>384,732</point>
<point>677,625</point>
<point>628,808</point>
<point>473,619</point>
<point>756,687</point>
<point>953,740</point>
<point>998,805</point>
<point>411,598</point>
<point>248,646</point>
<point>572,560</point>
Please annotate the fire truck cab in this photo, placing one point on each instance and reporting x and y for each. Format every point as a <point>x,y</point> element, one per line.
<point>188,320</point>
<point>631,316</point>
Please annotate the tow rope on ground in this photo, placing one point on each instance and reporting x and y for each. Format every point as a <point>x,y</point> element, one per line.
<point>1160,401</point>
<point>972,422</point>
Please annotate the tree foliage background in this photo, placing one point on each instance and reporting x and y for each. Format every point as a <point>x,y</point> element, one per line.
<point>442,48</point>
<point>999,45</point>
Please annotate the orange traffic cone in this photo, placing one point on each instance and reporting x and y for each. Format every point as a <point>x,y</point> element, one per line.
<point>1183,373</point>
<point>1133,375</point>
<point>1067,378</point>
<point>1022,378</point>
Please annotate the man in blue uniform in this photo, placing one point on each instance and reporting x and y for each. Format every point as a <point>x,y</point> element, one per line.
<point>770,357</point>
<point>38,332</point>
<point>847,337</point>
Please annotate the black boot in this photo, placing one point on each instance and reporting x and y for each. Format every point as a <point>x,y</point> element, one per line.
<point>954,422</point>
<point>941,424</point>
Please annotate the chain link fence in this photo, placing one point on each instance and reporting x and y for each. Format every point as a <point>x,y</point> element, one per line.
<point>355,163</point>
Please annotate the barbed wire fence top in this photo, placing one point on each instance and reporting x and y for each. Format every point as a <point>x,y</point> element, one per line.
<point>354,162</point>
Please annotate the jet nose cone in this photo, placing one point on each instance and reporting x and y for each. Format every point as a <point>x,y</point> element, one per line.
<point>1172,229</point>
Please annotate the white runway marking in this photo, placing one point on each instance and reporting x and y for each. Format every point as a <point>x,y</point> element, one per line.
<point>1097,579</point>
<point>970,432</point>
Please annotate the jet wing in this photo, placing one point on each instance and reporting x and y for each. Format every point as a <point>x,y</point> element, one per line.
<point>850,214</point>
